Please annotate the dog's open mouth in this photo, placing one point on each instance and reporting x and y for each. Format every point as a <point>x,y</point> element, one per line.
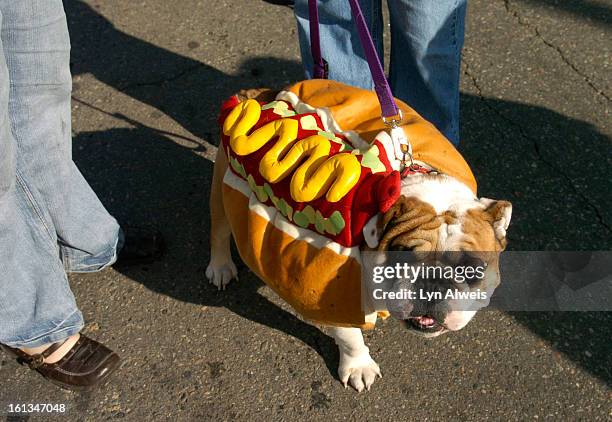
<point>424,323</point>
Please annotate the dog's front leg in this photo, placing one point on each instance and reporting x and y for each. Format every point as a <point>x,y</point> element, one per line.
<point>221,268</point>
<point>356,365</point>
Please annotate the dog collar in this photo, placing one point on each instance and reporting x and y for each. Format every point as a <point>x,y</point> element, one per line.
<point>415,168</point>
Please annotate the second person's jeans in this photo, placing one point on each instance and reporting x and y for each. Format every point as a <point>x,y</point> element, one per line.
<point>426,43</point>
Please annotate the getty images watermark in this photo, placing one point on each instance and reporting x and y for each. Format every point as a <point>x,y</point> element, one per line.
<point>410,272</point>
<point>511,281</point>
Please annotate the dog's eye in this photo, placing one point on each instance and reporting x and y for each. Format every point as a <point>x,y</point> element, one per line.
<point>472,261</point>
<point>473,267</point>
<point>465,259</point>
<point>401,248</point>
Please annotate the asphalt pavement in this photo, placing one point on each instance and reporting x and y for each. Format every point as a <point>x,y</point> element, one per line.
<point>149,76</point>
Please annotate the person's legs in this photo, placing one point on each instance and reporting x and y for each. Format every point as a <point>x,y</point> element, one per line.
<point>39,319</point>
<point>340,45</point>
<point>37,51</point>
<point>426,43</point>
<point>36,305</point>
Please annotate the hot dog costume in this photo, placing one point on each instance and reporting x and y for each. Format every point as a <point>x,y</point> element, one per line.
<point>306,173</point>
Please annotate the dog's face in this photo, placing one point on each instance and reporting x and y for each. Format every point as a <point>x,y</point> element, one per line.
<point>443,225</point>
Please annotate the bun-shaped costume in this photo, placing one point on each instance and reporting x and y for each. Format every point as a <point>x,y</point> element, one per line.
<point>306,173</point>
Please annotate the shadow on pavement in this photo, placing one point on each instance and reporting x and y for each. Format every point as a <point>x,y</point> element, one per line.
<point>591,10</point>
<point>518,152</point>
<point>185,89</point>
<point>584,337</point>
<point>288,3</point>
<point>143,176</point>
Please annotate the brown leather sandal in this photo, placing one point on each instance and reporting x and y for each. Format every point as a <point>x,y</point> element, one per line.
<point>84,367</point>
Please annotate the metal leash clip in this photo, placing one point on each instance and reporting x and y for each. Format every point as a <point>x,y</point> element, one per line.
<point>401,145</point>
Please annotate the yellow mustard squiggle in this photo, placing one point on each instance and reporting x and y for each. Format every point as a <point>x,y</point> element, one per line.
<point>336,176</point>
<point>273,168</point>
<point>242,119</point>
<point>319,174</point>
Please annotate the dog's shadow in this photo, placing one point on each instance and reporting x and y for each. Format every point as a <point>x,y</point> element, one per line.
<point>143,176</point>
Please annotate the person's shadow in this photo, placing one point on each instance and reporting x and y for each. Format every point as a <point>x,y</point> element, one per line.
<point>143,176</point>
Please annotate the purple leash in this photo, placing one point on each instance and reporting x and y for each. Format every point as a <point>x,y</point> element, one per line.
<point>381,85</point>
<point>391,114</point>
<point>319,70</point>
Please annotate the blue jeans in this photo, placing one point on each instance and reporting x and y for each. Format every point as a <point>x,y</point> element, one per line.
<point>426,43</point>
<point>51,222</point>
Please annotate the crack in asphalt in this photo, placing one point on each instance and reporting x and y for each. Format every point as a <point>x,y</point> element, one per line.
<point>536,146</point>
<point>523,22</point>
<point>162,81</point>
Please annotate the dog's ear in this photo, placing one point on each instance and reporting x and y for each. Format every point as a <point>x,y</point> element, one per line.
<point>404,216</point>
<point>401,207</point>
<point>500,213</point>
<point>372,231</point>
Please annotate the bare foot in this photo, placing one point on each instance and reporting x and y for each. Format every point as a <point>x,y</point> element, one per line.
<point>58,354</point>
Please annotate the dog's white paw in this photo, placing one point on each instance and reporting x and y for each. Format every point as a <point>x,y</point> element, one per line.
<point>221,274</point>
<point>358,371</point>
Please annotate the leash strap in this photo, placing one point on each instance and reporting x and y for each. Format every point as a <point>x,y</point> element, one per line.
<point>390,113</point>
<point>320,70</point>
<point>381,85</point>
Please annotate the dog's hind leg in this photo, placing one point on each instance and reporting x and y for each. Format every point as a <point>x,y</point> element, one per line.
<point>221,269</point>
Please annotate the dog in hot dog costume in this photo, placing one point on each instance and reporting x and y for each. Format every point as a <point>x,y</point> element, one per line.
<point>306,178</point>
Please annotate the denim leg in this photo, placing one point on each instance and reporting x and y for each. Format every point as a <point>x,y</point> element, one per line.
<point>340,45</point>
<point>426,43</point>
<point>37,51</point>
<point>36,304</point>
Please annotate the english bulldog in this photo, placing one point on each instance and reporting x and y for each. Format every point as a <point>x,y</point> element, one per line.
<point>434,214</point>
